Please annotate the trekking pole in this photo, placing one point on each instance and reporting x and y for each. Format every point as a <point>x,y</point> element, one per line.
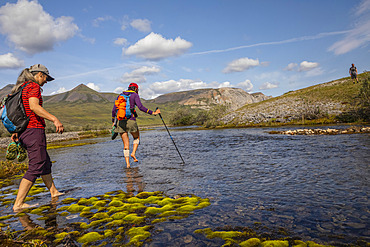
<point>171,137</point>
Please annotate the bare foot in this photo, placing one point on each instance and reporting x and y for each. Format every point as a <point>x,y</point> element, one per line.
<point>23,206</point>
<point>133,156</point>
<point>128,166</point>
<point>57,194</point>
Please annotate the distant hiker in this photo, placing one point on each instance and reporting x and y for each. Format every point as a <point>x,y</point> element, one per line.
<point>353,73</point>
<point>33,139</point>
<point>124,119</point>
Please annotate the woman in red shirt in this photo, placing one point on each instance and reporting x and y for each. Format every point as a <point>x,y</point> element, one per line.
<point>34,138</point>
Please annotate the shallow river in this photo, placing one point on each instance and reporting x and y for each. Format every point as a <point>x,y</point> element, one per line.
<point>311,187</point>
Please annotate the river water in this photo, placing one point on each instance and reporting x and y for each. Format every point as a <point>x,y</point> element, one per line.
<point>311,187</point>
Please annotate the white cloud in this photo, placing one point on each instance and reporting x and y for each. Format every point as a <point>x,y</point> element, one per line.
<point>175,86</point>
<point>143,25</point>
<point>155,47</point>
<point>357,37</point>
<point>93,86</point>
<point>31,29</point>
<point>268,85</point>
<point>291,67</point>
<point>119,90</point>
<point>307,66</point>
<point>120,41</point>
<point>240,65</point>
<point>246,85</point>
<point>9,61</point>
<point>138,75</point>
<point>60,90</point>
<point>98,20</point>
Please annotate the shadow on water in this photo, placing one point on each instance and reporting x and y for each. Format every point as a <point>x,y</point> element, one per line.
<point>314,187</point>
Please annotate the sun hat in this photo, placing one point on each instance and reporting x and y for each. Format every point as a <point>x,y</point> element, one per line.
<point>133,85</point>
<point>43,69</point>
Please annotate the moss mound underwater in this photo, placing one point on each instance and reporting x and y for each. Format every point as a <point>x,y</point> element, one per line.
<point>114,218</point>
<point>249,238</point>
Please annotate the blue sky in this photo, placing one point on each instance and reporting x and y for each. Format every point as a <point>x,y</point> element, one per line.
<point>168,46</point>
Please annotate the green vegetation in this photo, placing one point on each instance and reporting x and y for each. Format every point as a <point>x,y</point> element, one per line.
<point>359,109</point>
<point>188,116</point>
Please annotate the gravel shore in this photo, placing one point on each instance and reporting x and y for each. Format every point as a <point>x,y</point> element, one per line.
<point>52,137</point>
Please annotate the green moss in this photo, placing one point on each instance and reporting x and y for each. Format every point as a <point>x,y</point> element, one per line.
<point>275,243</point>
<point>158,220</point>
<point>313,244</point>
<point>3,225</point>
<point>133,218</point>
<point>6,217</point>
<point>108,233</point>
<point>252,242</point>
<point>99,204</point>
<point>75,208</point>
<point>138,234</point>
<point>187,208</point>
<point>146,194</point>
<point>60,236</point>
<point>86,214</point>
<point>100,216</point>
<point>115,203</point>
<point>220,234</point>
<point>115,223</point>
<point>64,214</point>
<point>154,210</point>
<point>299,243</point>
<point>119,215</point>
<point>90,237</point>
<point>36,190</point>
<point>69,200</point>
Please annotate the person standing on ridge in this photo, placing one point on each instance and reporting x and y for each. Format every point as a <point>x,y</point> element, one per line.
<point>353,73</point>
<point>124,119</point>
<point>33,139</point>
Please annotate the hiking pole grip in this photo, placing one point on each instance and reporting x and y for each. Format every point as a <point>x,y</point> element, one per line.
<point>171,137</point>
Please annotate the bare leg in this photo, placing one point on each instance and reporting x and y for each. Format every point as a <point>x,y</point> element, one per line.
<point>126,146</point>
<point>48,181</point>
<point>24,188</point>
<point>135,135</point>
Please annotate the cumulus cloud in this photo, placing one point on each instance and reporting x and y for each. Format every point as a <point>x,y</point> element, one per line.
<point>307,66</point>
<point>268,85</point>
<point>358,36</point>
<point>119,90</point>
<point>246,85</point>
<point>93,86</point>
<point>155,47</point>
<point>60,90</point>
<point>138,75</point>
<point>120,41</point>
<point>143,25</point>
<point>291,67</point>
<point>9,61</point>
<point>240,65</point>
<point>25,19</point>
<point>97,21</point>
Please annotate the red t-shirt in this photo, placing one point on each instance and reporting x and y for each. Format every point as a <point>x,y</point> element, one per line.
<point>33,90</point>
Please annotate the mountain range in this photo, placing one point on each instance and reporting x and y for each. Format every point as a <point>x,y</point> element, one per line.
<point>85,107</point>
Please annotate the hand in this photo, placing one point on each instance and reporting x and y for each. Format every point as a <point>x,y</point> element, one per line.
<point>14,137</point>
<point>59,126</point>
<point>157,111</point>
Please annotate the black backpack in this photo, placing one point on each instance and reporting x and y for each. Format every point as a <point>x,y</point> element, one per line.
<point>13,114</point>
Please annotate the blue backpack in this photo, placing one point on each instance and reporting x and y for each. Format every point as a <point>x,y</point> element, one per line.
<point>13,114</point>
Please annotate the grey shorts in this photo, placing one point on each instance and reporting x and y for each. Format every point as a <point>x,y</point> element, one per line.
<point>126,126</point>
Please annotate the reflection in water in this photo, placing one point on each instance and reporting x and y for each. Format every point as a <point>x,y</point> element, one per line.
<point>134,181</point>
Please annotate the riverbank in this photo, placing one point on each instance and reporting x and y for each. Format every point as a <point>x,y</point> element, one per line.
<point>329,131</point>
<point>66,136</point>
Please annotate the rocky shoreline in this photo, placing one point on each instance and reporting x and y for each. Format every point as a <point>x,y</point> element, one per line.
<point>52,137</point>
<point>351,130</point>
